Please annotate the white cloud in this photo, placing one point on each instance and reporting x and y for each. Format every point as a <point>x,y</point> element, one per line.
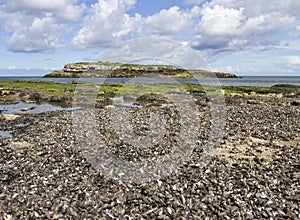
<point>67,10</point>
<point>167,22</point>
<point>224,28</point>
<point>37,26</point>
<point>266,22</point>
<point>220,21</point>
<point>107,23</point>
<point>293,60</point>
<point>254,8</point>
<point>31,34</point>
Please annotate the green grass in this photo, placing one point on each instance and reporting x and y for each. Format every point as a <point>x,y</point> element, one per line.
<point>121,89</point>
<point>42,87</point>
<point>46,88</point>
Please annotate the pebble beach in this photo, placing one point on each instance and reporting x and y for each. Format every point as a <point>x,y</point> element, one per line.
<point>253,174</point>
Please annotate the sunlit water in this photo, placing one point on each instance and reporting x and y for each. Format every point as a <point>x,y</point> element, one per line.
<point>22,107</point>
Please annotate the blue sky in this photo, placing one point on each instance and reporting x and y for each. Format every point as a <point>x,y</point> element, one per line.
<point>246,37</point>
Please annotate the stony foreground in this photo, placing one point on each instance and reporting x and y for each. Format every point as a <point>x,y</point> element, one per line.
<point>254,174</point>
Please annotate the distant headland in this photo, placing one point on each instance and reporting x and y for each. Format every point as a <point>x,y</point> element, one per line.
<point>119,70</point>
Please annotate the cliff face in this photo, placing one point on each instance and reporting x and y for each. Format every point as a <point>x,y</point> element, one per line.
<point>117,70</point>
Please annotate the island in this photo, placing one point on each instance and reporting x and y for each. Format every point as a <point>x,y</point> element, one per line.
<point>119,70</point>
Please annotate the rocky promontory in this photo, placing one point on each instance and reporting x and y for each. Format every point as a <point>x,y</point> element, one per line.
<point>118,70</point>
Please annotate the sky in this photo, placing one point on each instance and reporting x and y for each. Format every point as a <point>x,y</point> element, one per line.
<point>245,37</point>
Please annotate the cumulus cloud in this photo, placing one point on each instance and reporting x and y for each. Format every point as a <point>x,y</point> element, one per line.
<point>254,8</point>
<point>107,23</point>
<point>67,10</point>
<point>216,25</point>
<point>220,21</point>
<point>37,26</point>
<point>223,28</point>
<point>167,22</point>
<point>31,34</point>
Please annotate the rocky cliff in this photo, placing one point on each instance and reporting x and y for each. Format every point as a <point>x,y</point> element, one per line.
<point>118,70</point>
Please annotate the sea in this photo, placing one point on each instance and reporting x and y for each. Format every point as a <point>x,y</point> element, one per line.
<point>262,81</point>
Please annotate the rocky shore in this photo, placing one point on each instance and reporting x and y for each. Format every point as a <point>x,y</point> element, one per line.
<point>253,174</point>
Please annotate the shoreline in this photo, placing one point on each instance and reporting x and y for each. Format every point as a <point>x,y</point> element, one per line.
<point>254,173</point>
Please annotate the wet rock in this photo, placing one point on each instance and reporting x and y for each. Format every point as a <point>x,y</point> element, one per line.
<point>35,96</point>
<point>154,99</point>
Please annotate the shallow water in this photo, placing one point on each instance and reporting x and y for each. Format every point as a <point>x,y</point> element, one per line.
<point>119,101</point>
<point>5,134</point>
<point>22,107</point>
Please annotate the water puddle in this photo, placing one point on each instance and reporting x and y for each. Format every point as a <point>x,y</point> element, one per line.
<point>119,101</point>
<point>22,125</point>
<point>5,134</point>
<point>32,108</point>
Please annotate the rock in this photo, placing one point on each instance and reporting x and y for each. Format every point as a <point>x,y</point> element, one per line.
<point>58,99</point>
<point>10,117</point>
<point>102,102</point>
<point>19,146</point>
<point>279,96</point>
<point>155,99</point>
<point>27,109</point>
<point>35,96</point>
<point>296,102</point>
<point>109,106</point>
<point>4,92</point>
<point>69,90</point>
